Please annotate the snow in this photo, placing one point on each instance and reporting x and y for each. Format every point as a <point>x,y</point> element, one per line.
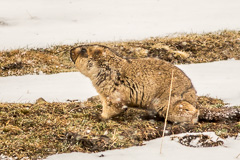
<point>53,88</point>
<point>171,150</point>
<point>42,23</point>
<point>217,79</point>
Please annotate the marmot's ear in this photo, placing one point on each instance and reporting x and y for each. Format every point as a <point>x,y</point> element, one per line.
<point>95,53</point>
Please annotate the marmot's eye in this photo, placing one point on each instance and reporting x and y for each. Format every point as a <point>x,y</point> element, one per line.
<point>83,50</point>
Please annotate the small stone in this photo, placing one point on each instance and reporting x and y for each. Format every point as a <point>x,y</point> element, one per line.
<point>102,155</point>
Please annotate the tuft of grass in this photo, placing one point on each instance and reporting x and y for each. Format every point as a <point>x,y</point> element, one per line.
<point>210,102</point>
<point>221,132</point>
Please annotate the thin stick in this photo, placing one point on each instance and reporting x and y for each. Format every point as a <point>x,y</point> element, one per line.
<point>165,123</point>
<point>238,156</point>
<point>31,17</point>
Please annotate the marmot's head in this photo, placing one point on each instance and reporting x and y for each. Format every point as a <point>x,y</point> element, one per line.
<point>86,52</point>
<point>88,58</point>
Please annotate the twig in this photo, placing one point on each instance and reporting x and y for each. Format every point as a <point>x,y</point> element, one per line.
<point>74,100</point>
<point>165,123</point>
<point>238,156</point>
<point>31,17</point>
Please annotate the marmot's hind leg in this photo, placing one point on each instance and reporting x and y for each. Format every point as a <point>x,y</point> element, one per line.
<point>190,96</point>
<point>181,111</point>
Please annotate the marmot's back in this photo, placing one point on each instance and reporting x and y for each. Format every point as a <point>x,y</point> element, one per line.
<point>153,76</point>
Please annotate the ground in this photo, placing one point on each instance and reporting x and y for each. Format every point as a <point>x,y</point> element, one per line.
<point>42,129</point>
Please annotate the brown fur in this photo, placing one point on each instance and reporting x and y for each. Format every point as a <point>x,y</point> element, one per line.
<point>142,83</point>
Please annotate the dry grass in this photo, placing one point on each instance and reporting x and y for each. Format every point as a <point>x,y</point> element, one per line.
<point>42,129</point>
<point>191,48</point>
<point>35,61</point>
<point>37,130</point>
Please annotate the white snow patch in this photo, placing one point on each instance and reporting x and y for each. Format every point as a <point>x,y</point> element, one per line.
<point>172,150</point>
<point>41,23</point>
<point>53,88</point>
<point>216,79</point>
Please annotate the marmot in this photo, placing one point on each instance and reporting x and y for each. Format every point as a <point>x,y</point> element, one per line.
<point>140,83</point>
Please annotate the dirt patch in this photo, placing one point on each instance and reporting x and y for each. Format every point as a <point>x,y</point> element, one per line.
<point>181,49</point>
<point>42,129</point>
